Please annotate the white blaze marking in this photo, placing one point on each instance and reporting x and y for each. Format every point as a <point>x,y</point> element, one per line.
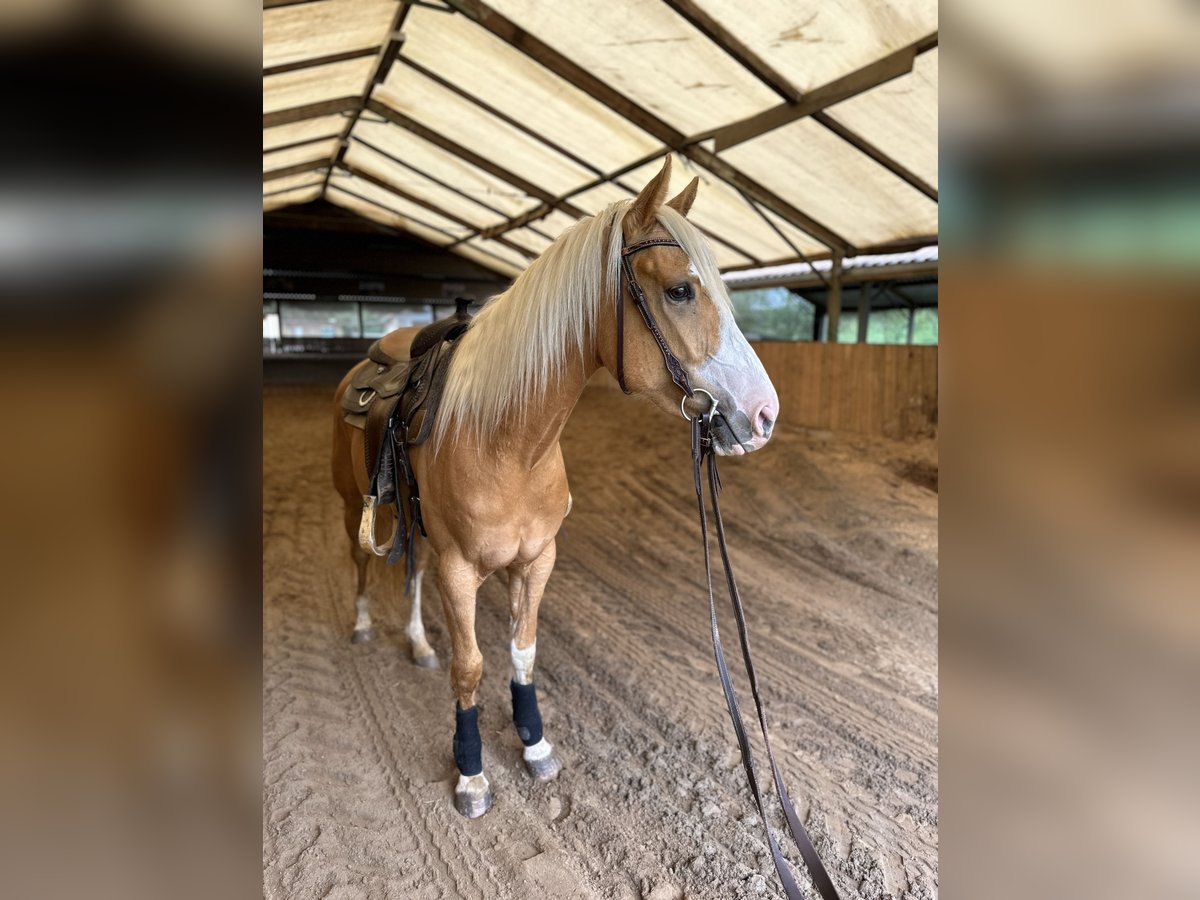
<point>735,367</point>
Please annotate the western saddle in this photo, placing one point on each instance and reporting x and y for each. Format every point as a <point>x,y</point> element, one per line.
<point>386,399</point>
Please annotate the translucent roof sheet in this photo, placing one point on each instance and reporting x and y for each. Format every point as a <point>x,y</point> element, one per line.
<point>290,182</point>
<point>307,129</point>
<point>307,30</point>
<point>440,109</point>
<point>505,126</point>
<point>848,192</point>
<point>901,115</point>
<point>811,44</point>
<point>498,250</point>
<point>292,197</point>
<point>488,260</point>
<point>371,211</point>
<point>418,185</point>
<point>406,208</point>
<point>469,57</point>
<point>431,160</point>
<point>294,155</point>
<point>326,82</point>
<point>651,55</point>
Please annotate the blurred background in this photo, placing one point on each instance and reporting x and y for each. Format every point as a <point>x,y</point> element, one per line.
<point>129,535</point>
<point>1070,444</point>
<point>129,366</point>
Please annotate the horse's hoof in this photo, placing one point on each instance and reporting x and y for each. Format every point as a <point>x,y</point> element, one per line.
<point>473,796</point>
<point>362,636</point>
<point>429,661</point>
<point>541,761</point>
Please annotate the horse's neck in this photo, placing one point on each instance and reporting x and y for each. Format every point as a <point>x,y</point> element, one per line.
<point>529,438</point>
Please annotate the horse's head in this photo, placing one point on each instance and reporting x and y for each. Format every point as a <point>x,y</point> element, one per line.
<point>687,298</point>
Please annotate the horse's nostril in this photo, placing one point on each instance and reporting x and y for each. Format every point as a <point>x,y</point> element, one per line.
<point>764,421</point>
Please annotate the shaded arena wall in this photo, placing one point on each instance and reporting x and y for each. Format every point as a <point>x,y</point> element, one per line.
<point>887,390</point>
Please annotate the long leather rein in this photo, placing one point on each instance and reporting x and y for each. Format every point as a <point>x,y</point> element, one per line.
<point>703,456</point>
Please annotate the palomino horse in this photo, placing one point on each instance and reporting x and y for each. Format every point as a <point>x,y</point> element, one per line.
<point>492,480</point>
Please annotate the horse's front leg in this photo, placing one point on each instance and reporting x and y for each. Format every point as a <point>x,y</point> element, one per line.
<point>459,581</point>
<point>526,584</point>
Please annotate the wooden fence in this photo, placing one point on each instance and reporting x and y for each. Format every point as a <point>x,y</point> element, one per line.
<point>873,389</point>
<point>888,390</point>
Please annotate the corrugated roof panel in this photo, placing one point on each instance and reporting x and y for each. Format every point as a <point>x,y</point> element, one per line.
<point>318,83</point>
<point>476,61</point>
<point>307,129</point>
<point>843,189</point>
<point>419,186</point>
<point>334,194</point>
<point>292,197</point>
<point>900,117</point>
<point>309,30</point>
<point>651,55</point>
<point>397,204</point>
<point>295,155</point>
<point>433,161</point>
<point>812,43</point>
<point>411,93</point>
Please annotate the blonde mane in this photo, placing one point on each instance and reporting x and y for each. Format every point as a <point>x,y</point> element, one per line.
<point>518,344</point>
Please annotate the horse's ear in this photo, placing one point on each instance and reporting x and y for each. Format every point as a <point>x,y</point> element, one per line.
<point>642,213</point>
<point>682,202</point>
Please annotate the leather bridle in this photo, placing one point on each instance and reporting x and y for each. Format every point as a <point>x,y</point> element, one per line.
<point>702,454</point>
<point>675,368</point>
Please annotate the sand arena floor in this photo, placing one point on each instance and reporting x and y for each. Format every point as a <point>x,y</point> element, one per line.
<point>835,545</point>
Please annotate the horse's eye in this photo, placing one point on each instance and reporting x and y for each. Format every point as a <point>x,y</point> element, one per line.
<point>680,293</point>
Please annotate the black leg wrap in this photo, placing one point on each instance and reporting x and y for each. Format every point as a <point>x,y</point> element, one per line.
<point>468,747</point>
<point>525,713</point>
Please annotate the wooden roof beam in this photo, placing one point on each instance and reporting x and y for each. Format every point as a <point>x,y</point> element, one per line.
<point>319,61</point>
<point>881,71</point>
<point>574,74</point>
<point>294,144</point>
<point>387,56</point>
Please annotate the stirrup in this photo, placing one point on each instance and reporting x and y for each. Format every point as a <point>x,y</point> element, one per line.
<point>366,527</point>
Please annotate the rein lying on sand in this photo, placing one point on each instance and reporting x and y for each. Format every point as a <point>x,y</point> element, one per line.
<point>703,455</point>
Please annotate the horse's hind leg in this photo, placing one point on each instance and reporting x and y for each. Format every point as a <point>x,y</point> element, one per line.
<point>363,629</point>
<point>422,653</point>
<point>526,584</point>
<point>458,582</point>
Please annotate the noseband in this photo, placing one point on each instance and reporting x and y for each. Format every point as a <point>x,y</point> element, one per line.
<point>702,453</point>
